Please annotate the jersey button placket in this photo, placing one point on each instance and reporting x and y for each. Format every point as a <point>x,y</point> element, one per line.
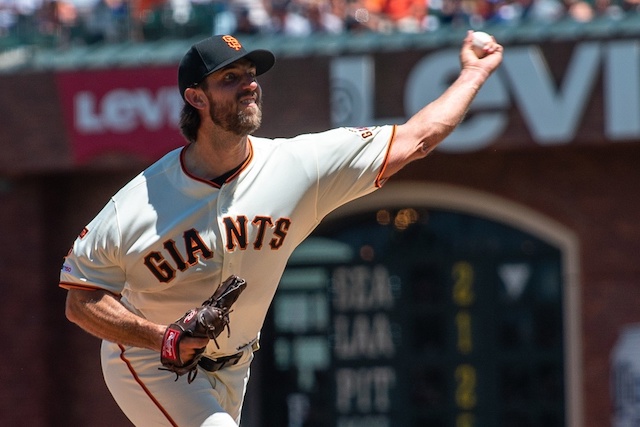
<point>222,209</point>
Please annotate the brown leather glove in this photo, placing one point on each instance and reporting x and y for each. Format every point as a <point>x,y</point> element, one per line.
<point>206,321</point>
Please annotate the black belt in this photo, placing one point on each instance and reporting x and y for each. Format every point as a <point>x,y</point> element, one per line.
<point>210,364</point>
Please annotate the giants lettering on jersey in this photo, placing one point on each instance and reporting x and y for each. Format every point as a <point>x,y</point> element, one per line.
<point>164,264</point>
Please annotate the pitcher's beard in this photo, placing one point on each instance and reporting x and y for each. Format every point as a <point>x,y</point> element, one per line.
<point>241,123</point>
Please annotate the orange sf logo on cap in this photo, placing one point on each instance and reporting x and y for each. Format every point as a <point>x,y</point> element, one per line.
<point>232,42</point>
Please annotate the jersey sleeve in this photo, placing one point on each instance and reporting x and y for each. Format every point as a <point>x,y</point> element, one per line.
<point>93,261</point>
<point>350,164</point>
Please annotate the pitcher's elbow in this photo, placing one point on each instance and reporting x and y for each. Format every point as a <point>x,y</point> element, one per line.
<point>72,307</point>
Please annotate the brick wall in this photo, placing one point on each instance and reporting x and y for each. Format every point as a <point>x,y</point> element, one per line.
<point>52,367</point>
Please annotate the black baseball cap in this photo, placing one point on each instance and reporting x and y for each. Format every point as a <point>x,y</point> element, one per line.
<point>214,53</point>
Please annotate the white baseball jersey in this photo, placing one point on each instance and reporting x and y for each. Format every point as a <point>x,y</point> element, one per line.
<point>167,239</point>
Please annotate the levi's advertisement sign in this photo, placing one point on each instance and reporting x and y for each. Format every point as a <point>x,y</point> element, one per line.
<point>121,112</point>
<point>552,95</point>
<point>549,95</point>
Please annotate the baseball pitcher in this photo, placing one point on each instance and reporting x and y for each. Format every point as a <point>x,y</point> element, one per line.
<point>176,273</point>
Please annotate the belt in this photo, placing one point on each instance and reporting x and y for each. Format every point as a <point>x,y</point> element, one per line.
<point>211,365</point>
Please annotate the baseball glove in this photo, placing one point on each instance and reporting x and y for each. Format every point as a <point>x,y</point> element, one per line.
<point>206,321</point>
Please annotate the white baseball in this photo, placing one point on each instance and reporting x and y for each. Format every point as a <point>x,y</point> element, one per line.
<point>480,40</point>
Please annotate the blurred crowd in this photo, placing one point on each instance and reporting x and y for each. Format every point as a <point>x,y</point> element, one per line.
<point>63,22</point>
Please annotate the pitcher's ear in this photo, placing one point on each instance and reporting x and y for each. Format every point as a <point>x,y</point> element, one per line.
<point>195,97</point>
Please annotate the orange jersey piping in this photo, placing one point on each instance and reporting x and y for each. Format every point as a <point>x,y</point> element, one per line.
<point>379,181</point>
<point>211,183</point>
<point>144,387</point>
<point>70,285</point>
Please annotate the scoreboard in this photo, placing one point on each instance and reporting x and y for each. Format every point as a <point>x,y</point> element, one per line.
<point>410,316</point>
